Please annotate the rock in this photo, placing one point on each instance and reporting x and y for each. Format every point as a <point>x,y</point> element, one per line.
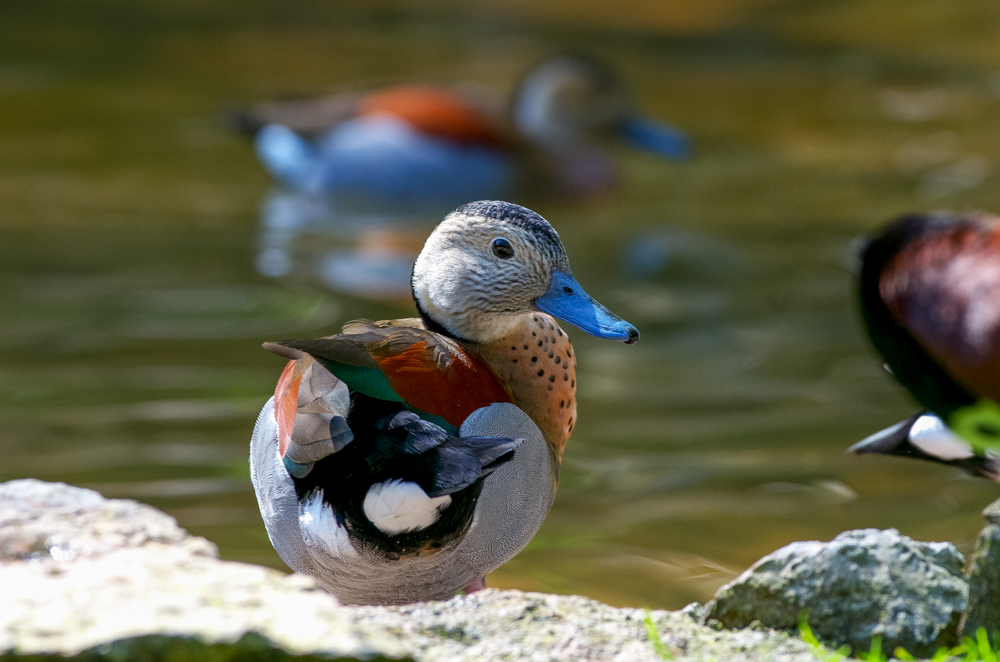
<point>511,625</point>
<point>862,583</point>
<point>984,579</point>
<point>52,520</point>
<point>695,611</point>
<point>99,579</point>
<point>114,577</point>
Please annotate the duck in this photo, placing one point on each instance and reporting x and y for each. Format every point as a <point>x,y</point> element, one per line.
<point>929,290</point>
<point>403,460</point>
<point>412,144</point>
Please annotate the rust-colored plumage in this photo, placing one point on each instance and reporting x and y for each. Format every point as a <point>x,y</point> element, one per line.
<point>435,112</point>
<point>537,363</point>
<point>943,286</point>
<point>463,384</point>
<point>286,395</point>
<point>427,371</point>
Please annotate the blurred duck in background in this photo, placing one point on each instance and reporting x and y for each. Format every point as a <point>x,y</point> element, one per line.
<point>436,145</point>
<point>930,298</point>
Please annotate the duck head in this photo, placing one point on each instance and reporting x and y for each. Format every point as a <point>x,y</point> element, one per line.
<point>570,100</point>
<point>489,263</point>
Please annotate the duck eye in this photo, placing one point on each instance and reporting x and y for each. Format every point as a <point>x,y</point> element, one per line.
<point>502,248</point>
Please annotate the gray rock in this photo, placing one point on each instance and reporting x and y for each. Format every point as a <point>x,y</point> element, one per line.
<point>695,611</point>
<point>80,572</point>
<point>100,579</point>
<point>52,520</point>
<point>510,625</point>
<point>984,578</point>
<point>860,584</point>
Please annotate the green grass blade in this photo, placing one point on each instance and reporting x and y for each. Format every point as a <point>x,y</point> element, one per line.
<point>805,631</point>
<point>660,648</point>
<point>986,652</point>
<point>875,653</point>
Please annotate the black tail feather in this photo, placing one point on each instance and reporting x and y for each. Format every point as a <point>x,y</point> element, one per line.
<point>411,448</point>
<point>464,460</point>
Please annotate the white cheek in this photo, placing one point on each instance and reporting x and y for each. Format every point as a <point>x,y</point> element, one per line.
<point>438,283</point>
<point>320,528</point>
<point>446,291</point>
<point>930,435</point>
<point>399,505</point>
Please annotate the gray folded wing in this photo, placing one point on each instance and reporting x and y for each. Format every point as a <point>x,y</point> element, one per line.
<point>516,497</point>
<point>279,505</point>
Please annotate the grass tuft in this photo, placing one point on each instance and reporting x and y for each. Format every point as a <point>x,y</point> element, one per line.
<point>971,650</point>
<point>874,653</point>
<point>660,648</point>
<point>902,654</point>
<point>819,650</point>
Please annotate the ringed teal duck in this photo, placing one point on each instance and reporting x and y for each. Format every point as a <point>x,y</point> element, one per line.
<point>930,298</point>
<point>430,144</point>
<point>404,460</point>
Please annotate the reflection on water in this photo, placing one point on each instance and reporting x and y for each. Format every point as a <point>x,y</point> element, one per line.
<point>140,270</point>
<point>355,250</point>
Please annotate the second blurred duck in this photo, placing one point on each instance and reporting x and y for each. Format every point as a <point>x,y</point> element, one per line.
<point>426,144</point>
<point>930,297</point>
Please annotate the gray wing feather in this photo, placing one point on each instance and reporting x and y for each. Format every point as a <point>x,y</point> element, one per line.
<point>279,505</point>
<point>321,427</point>
<point>516,497</point>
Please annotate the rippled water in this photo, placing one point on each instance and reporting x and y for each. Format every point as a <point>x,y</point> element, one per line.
<point>140,265</point>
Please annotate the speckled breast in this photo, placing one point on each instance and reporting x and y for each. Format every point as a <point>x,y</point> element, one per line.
<point>537,362</point>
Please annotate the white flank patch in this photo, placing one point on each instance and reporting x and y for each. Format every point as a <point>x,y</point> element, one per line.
<point>930,435</point>
<point>320,529</point>
<point>399,505</point>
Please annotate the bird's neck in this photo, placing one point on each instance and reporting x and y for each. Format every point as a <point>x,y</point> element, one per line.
<point>468,325</point>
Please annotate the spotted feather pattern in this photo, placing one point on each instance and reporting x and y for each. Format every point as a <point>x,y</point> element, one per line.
<point>537,363</point>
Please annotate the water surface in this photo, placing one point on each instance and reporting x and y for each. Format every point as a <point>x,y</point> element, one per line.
<point>135,291</point>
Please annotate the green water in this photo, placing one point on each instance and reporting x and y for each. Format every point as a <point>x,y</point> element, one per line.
<point>133,309</point>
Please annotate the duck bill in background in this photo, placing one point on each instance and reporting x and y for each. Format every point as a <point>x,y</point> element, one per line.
<point>926,437</point>
<point>894,440</point>
<point>922,435</point>
<point>566,300</point>
<point>656,137</point>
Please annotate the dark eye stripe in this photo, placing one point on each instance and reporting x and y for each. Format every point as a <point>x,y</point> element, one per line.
<point>502,248</point>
